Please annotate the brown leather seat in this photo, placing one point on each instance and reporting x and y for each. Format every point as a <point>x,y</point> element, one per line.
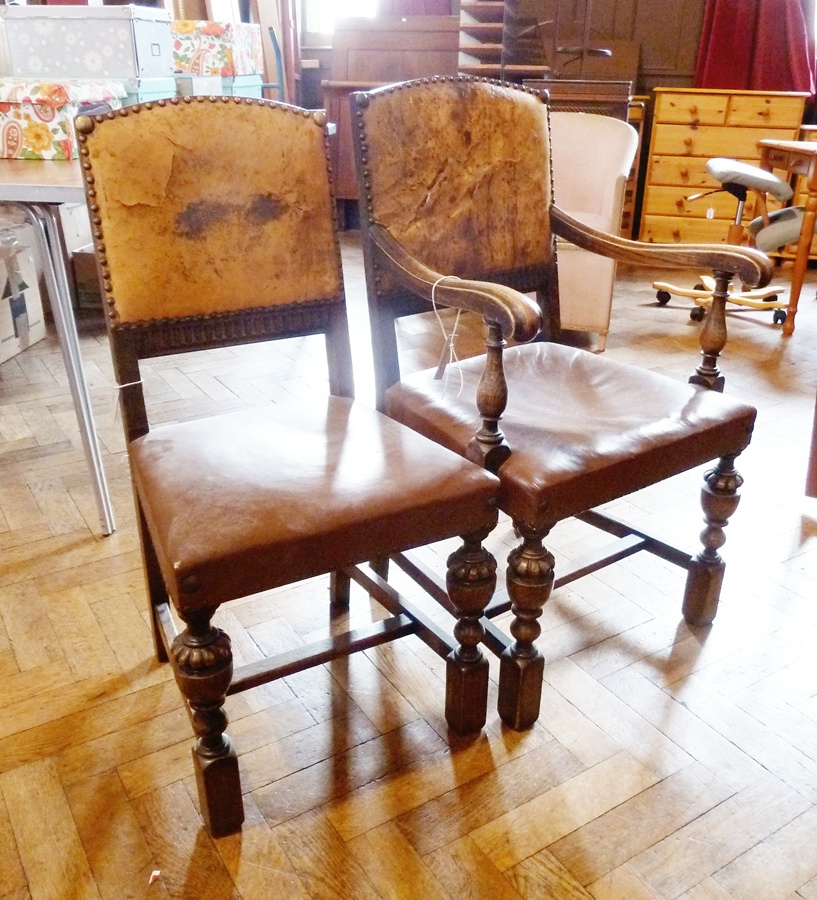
<point>599,443</point>
<point>203,244</point>
<point>456,184</point>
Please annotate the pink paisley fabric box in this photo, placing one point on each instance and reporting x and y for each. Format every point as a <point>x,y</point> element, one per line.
<point>217,48</point>
<point>37,117</point>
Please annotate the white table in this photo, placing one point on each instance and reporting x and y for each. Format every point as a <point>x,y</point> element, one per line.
<point>38,188</point>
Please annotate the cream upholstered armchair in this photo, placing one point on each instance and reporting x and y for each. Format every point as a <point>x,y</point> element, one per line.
<point>592,156</point>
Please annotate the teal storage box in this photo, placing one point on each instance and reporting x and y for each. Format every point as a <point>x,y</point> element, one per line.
<point>144,90</point>
<point>243,86</point>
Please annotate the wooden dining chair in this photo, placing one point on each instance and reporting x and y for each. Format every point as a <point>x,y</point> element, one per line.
<point>204,241</point>
<point>456,191</point>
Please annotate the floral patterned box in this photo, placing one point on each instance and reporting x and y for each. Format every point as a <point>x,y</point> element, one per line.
<point>217,48</point>
<point>37,117</point>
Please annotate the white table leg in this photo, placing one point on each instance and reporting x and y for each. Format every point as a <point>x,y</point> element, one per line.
<point>49,239</point>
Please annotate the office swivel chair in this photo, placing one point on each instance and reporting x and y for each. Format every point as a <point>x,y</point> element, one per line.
<point>767,230</point>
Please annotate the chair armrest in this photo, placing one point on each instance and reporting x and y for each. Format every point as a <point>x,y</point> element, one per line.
<point>518,316</point>
<point>754,268</point>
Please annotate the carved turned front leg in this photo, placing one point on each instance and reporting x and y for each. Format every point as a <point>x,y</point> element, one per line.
<point>203,665</point>
<point>488,447</point>
<point>719,499</point>
<point>713,337</point>
<point>471,580</point>
<point>522,666</point>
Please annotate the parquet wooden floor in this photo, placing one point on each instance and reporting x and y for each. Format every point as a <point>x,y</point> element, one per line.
<point>668,762</point>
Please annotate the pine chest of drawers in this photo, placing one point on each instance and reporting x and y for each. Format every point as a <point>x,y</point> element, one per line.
<point>690,126</point>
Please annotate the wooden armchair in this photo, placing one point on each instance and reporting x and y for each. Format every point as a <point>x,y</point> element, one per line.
<point>455,183</point>
<point>202,244</point>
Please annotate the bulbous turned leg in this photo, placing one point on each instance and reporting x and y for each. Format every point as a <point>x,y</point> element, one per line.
<point>719,499</point>
<point>522,666</point>
<point>203,666</point>
<point>471,580</point>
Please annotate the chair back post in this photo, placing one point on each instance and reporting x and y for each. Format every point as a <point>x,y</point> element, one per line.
<point>131,398</point>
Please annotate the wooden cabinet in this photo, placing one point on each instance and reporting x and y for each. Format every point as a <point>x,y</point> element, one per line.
<point>689,127</point>
<point>367,53</point>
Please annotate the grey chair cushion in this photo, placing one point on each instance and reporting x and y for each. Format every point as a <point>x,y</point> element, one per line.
<point>732,171</point>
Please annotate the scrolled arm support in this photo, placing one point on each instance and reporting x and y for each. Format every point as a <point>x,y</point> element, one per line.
<point>754,268</point>
<point>518,316</point>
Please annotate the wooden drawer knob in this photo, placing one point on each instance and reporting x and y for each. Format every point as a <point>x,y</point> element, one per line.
<point>684,174</point>
<point>765,112</point>
<point>679,204</point>
<point>676,234</point>
<point>693,110</point>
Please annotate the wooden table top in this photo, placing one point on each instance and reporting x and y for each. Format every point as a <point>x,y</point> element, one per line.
<point>809,147</point>
<point>41,181</point>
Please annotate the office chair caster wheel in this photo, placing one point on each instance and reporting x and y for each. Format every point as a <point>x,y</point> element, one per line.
<point>663,297</point>
<point>697,314</point>
<point>779,316</point>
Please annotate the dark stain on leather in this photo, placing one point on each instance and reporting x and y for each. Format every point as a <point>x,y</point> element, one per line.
<point>265,208</point>
<point>199,216</point>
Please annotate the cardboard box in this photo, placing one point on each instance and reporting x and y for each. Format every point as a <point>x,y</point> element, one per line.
<point>21,309</point>
<point>87,42</point>
<point>37,117</point>
<point>217,48</point>
<point>86,279</point>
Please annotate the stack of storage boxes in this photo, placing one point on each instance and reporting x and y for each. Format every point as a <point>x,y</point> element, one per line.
<point>229,50</point>
<point>130,45</point>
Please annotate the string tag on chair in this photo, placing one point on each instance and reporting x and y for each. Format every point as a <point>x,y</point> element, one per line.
<point>449,351</point>
<point>115,398</point>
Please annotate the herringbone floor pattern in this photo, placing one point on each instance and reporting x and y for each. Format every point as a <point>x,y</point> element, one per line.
<point>667,763</point>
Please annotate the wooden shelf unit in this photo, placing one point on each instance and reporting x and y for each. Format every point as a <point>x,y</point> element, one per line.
<point>480,51</point>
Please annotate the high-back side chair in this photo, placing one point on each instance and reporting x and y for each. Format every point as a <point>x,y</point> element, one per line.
<point>455,181</point>
<point>202,244</point>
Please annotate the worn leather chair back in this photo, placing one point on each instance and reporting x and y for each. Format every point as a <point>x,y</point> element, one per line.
<point>210,241</point>
<point>477,199</point>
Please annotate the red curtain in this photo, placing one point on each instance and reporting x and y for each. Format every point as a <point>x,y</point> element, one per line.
<point>763,45</point>
<point>415,7</point>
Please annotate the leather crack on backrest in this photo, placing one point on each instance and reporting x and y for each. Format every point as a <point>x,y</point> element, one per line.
<point>212,230</point>
<point>458,171</point>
